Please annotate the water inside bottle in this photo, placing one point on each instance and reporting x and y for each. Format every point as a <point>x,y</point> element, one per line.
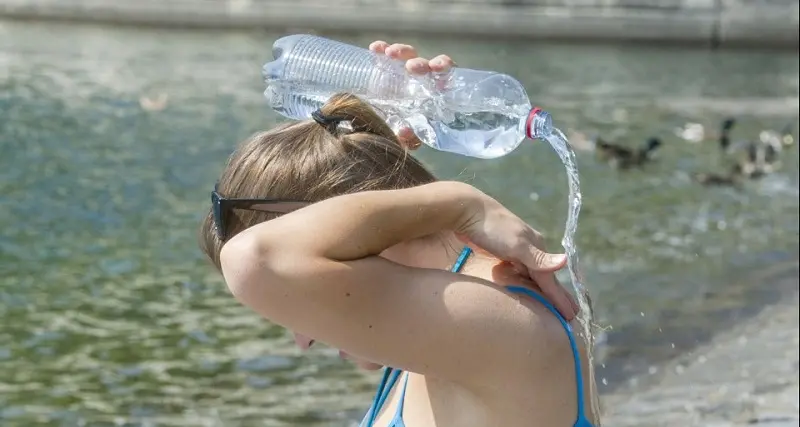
<point>561,145</point>
<point>481,134</point>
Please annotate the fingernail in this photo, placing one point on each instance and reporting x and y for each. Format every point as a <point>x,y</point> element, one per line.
<point>554,260</point>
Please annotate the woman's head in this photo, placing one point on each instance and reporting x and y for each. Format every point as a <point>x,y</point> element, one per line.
<point>309,161</point>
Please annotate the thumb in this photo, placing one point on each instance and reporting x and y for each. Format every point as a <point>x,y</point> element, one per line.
<point>546,262</point>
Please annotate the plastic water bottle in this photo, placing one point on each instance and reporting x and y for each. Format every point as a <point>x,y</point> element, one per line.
<point>475,113</point>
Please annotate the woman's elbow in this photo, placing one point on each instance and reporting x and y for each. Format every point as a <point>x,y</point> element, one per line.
<point>242,261</point>
<point>253,269</point>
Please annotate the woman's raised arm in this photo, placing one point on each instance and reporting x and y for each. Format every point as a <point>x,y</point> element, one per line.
<point>317,271</point>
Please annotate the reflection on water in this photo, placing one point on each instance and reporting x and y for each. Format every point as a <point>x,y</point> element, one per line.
<point>110,316</point>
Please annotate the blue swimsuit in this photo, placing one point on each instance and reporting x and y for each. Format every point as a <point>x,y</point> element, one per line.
<point>391,375</point>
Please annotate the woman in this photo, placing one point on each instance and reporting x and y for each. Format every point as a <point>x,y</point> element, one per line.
<point>329,228</point>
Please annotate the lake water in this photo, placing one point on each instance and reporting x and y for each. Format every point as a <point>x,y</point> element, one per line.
<point>110,316</point>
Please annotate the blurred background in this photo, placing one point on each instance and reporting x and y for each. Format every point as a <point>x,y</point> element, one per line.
<point>116,118</point>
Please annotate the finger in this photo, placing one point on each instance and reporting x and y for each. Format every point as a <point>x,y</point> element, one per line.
<point>378,46</point>
<point>521,269</point>
<point>505,270</point>
<point>418,66</point>
<point>363,364</point>
<point>572,302</point>
<point>575,307</point>
<point>555,294</point>
<point>441,64</point>
<point>303,341</point>
<point>506,274</point>
<point>408,139</point>
<point>369,366</point>
<point>541,261</point>
<point>402,52</point>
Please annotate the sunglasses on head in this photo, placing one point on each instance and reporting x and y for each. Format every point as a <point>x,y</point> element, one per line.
<point>222,208</point>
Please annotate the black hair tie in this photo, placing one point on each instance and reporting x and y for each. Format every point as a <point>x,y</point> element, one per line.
<point>330,123</point>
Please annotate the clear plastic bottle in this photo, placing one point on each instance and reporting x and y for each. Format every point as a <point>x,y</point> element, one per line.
<point>475,113</point>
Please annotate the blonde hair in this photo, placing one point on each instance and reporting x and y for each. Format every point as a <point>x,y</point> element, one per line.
<point>308,161</point>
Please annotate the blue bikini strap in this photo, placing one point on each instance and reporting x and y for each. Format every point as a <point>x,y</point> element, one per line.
<point>461,260</point>
<point>399,413</point>
<point>582,420</point>
<point>388,380</point>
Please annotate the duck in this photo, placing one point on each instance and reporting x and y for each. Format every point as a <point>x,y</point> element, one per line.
<point>775,142</point>
<point>691,132</point>
<point>625,157</point>
<point>734,178</point>
<point>580,141</point>
<point>725,135</point>
<point>753,158</point>
<point>587,141</point>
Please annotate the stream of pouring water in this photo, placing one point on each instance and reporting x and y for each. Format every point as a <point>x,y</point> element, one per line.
<point>560,144</point>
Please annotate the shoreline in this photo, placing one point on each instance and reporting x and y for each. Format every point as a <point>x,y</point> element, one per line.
<point>744,376</point>
<point>636,355</point>
<point>698,22</point>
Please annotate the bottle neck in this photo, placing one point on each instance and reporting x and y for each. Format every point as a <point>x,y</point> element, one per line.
<point>538,124</point>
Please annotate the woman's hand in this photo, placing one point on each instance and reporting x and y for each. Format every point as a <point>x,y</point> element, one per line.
<point>495,229</point>
<point>414,65</point>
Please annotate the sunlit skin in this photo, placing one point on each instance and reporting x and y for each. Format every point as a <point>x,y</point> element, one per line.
<point>503,273</point>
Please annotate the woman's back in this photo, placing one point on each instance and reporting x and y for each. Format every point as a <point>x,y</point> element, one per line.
<point>546,399</point>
